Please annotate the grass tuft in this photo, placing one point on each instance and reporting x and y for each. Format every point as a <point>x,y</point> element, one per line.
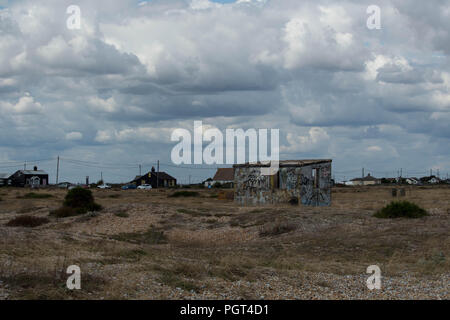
<point>33,195</point>
<point>150,236</point>
<point>27,221</point>
<point>401,209</point>
<point>184,194</point>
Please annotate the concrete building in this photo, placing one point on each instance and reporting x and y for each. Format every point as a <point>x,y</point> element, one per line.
<point>297,181</point>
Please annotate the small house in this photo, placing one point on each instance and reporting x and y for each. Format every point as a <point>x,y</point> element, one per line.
<point>155,179</point>
<point>366,181</point>
<point>29,178</point>
<point>413,181</point>
<point>224,176</point>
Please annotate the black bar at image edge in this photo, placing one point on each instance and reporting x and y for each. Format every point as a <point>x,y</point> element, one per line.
<point>218,309</point>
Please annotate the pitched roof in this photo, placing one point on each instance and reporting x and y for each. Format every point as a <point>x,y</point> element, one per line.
<point>366,178</point>
<point>4,176</point>
<point>32,172</point>
<point>161,175</point>
<point>224,174</point>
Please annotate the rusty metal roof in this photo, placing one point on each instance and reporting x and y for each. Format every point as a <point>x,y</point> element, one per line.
<point>224,174</point>
<point>285,163</point>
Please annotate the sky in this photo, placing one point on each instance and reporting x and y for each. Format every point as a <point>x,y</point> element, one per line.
<point>106,97</point>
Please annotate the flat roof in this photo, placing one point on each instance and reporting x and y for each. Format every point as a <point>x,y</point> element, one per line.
<point>284,163</point>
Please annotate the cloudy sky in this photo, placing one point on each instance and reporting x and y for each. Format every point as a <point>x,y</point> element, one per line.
<point>106,97</point>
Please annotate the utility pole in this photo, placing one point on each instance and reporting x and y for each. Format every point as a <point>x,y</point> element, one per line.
<point>57,171</point>
<point>401,172</point>
<point>157,176</point>
<point>140,170</point>
<point>101,177</point>
<point>25,166</point>
<point>362,173</point>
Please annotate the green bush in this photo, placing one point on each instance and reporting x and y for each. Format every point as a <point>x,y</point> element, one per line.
<point>77,201</point>
<point>27,221</point>
<point>401,209</point>
<point>184,194</point>
<point>82,200</point>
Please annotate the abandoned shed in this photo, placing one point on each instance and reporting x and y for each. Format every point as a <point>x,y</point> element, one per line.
<point>297,181</point>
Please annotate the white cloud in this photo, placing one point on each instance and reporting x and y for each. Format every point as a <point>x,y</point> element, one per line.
<point>73,136</point>
<point>25,105</point>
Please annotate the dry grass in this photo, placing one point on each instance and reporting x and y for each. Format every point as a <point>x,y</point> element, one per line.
<point>146,244</point>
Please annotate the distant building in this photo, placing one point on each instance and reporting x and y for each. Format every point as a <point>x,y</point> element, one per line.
<point>412,180</point>
<point>208,182</point>
<point>5,179</point>
<point>223,176</point>
<point>29,178</point>
<point>367,180</point>
<point>297,181</point>
<point>155,179</point>
<point>430,180</point>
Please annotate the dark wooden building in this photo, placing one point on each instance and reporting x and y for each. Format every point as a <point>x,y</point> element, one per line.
<point>155,179</point>
<point>29,178</point>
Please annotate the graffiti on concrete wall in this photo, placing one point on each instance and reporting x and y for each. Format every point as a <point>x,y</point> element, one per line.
<point>293,182</point>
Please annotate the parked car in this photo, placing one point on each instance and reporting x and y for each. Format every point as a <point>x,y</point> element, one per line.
<point>129,187</point>
<point>145,187</point>
<point>104,186</point>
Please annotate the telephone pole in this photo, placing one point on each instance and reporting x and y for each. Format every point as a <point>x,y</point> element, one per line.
<point>57,171</point>
<point>140,170</point>
<point>362,173</point>
<point>157,176</point>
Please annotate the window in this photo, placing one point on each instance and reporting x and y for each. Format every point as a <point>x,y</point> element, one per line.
<point>316,176</point>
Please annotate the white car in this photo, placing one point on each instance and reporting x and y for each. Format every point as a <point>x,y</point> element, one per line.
<point>104,186</point>
<point>145,187</point>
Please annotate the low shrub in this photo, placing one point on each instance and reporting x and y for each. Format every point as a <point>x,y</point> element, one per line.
<point>276,228</point>
<point>64,212</point>
<point>401,209</point>
<point>27,221</point>
<point>184,194</point>
<point>82,200</point>
<point>77,201</point>
<point>33,195</point>
<point>121,214</point>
